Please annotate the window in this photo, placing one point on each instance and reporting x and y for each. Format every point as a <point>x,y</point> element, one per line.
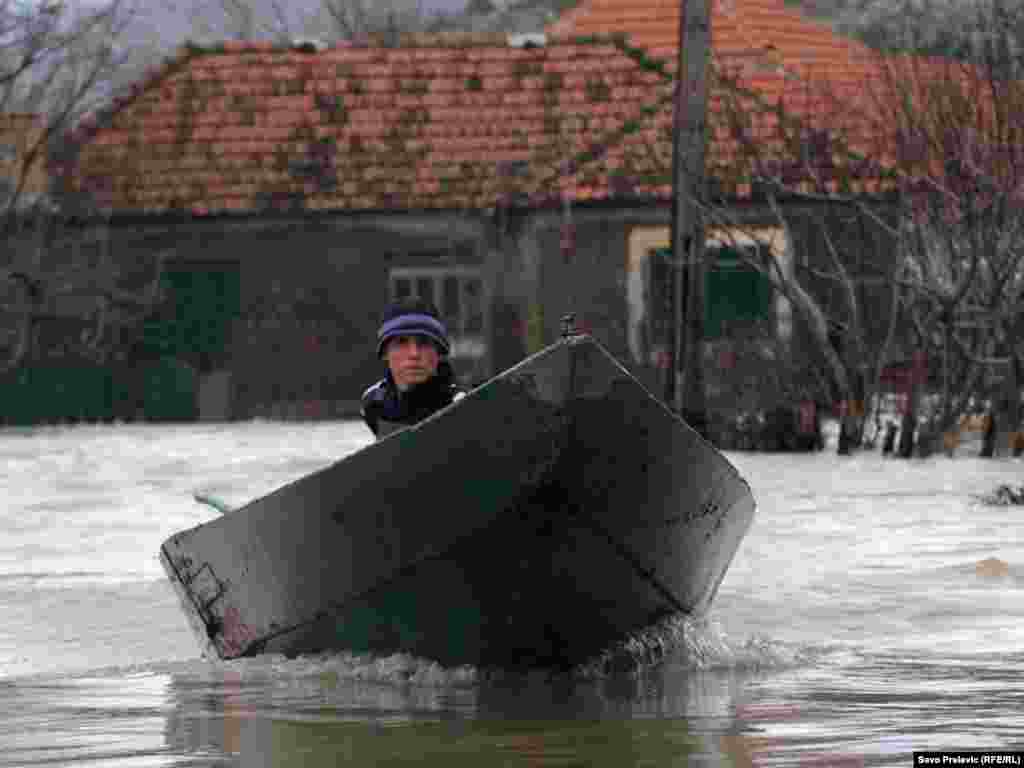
<point>401,288</point>
<point>735,294</point>
<point>458,294</point>
<point>425,289</point>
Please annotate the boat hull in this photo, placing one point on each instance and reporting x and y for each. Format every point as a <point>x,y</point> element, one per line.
<point>543,517</point>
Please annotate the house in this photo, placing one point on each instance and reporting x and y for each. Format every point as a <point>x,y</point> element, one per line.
<point>297,189</point>
<point>778,61</point>
<point>23,177</point>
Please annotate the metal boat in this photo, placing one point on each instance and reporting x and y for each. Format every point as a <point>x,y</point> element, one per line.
<point>537,521</point>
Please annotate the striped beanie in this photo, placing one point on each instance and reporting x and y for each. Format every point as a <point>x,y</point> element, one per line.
<point>412,317</point>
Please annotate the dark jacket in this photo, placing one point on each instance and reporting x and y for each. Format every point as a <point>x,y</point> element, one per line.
<point>384,406</point>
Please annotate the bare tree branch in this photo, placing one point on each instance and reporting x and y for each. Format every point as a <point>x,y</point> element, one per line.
<point>56,63</point>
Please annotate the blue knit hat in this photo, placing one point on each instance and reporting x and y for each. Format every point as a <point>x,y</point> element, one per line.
<point>412,317</point>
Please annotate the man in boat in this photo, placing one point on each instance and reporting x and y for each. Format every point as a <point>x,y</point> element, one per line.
<point>419,381</point>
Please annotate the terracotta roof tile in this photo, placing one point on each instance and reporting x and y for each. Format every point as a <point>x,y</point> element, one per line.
<point>755,37</point>
<point>246,128</point>
<point>738,25</point>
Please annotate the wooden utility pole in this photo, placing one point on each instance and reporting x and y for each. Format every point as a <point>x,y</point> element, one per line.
<point>685,383</point>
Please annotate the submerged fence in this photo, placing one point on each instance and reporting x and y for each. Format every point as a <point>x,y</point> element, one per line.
<point>159,390</point>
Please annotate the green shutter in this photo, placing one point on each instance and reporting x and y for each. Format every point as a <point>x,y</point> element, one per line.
<point>170,391</point>
<point>735,295</point>
<point>196,323</point>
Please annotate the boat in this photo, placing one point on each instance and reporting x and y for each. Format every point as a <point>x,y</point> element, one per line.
<point>552,512</point>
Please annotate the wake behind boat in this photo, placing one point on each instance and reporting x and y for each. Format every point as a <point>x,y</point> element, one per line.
<point>545,516</point>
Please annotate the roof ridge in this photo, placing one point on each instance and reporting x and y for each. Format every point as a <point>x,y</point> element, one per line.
<point>405,41</point>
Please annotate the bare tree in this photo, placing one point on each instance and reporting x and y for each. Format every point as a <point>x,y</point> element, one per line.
<point>839,276</point>
<point>948,28</point>
<point>327,21</point>
<point>957,129</point>
<point>218,20</point>
<point>943,138</point>
<point>359,19</point>
<point>57,63</point>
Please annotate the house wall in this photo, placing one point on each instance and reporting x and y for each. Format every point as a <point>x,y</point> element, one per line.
<point>512,262</point>
<point>766,367</point>
<point>590,283</point>
<point>605,282</point>
<point>311,293</point>
<point>311,298</point>
<point>311,290</point>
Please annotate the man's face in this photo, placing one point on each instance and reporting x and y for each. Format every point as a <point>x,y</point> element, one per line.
<point>412,360</point>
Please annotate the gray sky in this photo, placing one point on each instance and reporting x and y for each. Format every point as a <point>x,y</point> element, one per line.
<point>166,23</point>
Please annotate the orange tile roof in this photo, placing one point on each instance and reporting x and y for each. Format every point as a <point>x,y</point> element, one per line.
<point>441,124</point>
<point>760,45</point>
<point>452,122</point>
<point>770,59</point>
<point>762,33</point>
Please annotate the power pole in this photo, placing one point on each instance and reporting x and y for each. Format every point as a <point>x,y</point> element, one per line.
<point>685,383</point>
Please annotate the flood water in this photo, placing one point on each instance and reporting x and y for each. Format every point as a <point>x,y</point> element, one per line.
<point>861,620</point>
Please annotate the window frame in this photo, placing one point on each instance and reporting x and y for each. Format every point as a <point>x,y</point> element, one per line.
<point>465,344</point>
